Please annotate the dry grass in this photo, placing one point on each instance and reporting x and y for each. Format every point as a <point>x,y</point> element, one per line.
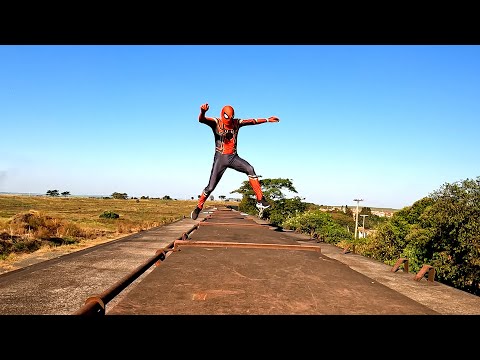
<point>41,223</point>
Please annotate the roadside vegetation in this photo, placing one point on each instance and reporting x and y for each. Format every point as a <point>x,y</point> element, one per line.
<point>31,223</point>
<point>441,230</point>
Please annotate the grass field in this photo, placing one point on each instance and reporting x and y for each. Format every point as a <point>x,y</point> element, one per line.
<point>31,223</point>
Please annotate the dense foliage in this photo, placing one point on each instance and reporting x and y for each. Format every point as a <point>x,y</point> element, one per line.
<point>319,225</point>
<point>441,230</point>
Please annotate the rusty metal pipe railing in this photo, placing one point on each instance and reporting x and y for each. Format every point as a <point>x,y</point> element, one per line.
<point>228,224</point>
<point>181,243</point>
<point>184,236</point>
<point>95,305</point>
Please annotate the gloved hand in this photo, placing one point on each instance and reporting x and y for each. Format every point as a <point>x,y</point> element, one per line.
<point>204,108</point>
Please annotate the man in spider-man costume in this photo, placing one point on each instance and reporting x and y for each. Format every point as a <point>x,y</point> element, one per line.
<point>225,129</point>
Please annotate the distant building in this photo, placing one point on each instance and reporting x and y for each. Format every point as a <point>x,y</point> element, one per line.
<point>380,213</point>
<point>383,213</point>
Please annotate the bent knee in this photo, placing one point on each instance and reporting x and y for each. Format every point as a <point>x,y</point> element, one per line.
<point>250,171</point>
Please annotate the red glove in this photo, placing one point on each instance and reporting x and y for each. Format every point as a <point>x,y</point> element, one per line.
<point>273,119</point>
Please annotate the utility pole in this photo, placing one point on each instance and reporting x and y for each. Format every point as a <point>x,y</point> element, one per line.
<point>356,217</point>
<point>363,215</point>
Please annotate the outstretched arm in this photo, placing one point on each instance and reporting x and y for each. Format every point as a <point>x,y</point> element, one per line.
<point>244,122</point>
<point>201,117</point>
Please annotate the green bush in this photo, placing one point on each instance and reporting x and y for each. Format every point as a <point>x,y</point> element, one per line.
<point>318,224</point>
<point>109,215</point>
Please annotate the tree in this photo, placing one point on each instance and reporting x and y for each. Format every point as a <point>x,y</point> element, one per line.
<point>53,193</point>
<point>222,197</point>
<point>286,208</point>
<point>341,218</point>
<point>117,195</point>
<point>440,230</point>
<point>272,191</point>
<point>65,193</point>
<point>455,220</point>
<point>271,188</point>
<point>365,211</point>
<point>348,211</point>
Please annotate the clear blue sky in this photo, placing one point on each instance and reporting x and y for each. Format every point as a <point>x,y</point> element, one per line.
<point>387,124</point>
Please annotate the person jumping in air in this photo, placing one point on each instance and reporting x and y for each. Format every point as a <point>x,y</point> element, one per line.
<point>225,129</point>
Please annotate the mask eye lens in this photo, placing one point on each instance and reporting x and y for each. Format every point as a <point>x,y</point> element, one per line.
<point>225,116</point>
